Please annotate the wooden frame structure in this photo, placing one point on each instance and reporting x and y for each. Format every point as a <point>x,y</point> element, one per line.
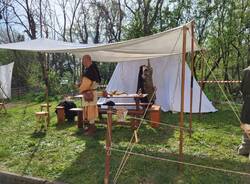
<point>182,104</point>
<point>181,115</point>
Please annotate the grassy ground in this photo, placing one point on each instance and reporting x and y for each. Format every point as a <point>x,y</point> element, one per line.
<point>65,154</point>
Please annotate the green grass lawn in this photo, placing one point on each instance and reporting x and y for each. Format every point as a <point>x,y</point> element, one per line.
<point>65,154</point>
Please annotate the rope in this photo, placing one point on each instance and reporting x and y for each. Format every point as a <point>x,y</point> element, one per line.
<point>184,163</point>
<point>227,82</point>
<point>125,158</point>
<point>174,126</point>
<point>223,92</point>
<point>162,123</point>
<point>231,99</point>
<point>128,153</point>
<point>203,57</point>
<point>122,164</point>
<point>188,130</point>
<point>217,82</point>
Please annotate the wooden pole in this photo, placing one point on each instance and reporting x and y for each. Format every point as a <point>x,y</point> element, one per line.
<point>47,84</point>
<point>202,83</point>
<point>192,79</point>
<point>181,117</point>
<point>108,145</point>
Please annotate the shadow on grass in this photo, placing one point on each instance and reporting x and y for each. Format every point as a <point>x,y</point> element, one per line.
<point>89,167</point>
<point>38,135</point>
<point>146,170</point>
<point>65,125</point>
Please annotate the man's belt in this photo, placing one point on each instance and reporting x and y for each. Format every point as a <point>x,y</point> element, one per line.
<point>89,90</point>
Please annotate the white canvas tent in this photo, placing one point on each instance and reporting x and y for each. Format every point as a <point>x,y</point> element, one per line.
<point>177,41</point>
<point>167,80</point>
<point>167,45</point>
<point>5,80</point>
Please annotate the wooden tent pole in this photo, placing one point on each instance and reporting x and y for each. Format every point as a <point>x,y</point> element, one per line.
<point>46,68</point>
<point>181,116</point>
<point>192,79</point>
<point>108,145</point>
<point>202,83</point>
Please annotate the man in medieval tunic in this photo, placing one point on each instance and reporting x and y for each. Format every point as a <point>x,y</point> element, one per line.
<point>91,77</point>
<point>244,148</point>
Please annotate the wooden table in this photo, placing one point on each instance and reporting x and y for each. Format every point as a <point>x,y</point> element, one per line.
<point>79,116</point>
<point>136,97</point>
<point>139,107</point>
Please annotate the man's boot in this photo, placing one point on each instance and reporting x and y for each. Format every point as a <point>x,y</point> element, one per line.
<point>243,151</point>
<point>244,148</point>
<point>86,125</point>
<point>91,130</point>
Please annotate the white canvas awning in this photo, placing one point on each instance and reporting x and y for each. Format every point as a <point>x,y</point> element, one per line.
<point>161,44</point>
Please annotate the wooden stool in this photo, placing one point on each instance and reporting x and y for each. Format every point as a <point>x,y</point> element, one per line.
<point>41,116</point>
<point>60,114</point>
<point>2,107</point>
<point>79,116</point>
<point>44,106</point>
<point>155,115</point>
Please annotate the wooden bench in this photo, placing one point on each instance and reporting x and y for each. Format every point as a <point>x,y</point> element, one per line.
<point>155,115</point>
<point>60,114</point>
<point>41,117</point>
<point>79,116</point>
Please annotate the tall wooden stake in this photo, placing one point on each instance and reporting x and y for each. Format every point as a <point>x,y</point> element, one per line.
<point>192,79</point>
<point>108,145</point>
<point>202,83</point>
<point>181,117</point>
<point>47,85</point>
